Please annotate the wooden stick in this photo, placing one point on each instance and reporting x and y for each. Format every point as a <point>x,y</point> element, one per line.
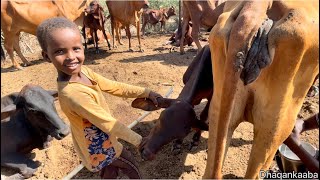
<point>79,167</point>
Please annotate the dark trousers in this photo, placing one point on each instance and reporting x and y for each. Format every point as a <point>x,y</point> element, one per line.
<point>126,163</point>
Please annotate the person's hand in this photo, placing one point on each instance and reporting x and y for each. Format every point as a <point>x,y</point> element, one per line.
<point>295,135</point>
<point>298,128</point>
<point>153,96</point>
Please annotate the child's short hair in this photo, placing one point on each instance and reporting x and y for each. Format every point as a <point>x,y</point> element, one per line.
<point>49,25</point>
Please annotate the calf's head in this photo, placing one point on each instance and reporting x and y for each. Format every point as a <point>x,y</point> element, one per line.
<point>94,8</point>
<point>174,122</point>
<point>40,113</point>
<point>171,12</point>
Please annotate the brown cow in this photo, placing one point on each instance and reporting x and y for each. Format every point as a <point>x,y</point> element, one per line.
<point>244,41</point>
<point>201,14</point>
<point>153,17</point>
<point>126,13</point>
<point>95,21</point>
<point>17,16</point>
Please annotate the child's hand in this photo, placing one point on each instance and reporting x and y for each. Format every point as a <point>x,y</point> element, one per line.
<point>153,96</point>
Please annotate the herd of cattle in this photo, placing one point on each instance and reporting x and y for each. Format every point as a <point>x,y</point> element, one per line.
<point>261,60</point>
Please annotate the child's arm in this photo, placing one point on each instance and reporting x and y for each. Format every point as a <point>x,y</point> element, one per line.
<point>85,106</point>
<point>121,89</point>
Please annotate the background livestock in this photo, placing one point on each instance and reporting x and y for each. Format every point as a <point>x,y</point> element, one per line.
<point>155,68</point>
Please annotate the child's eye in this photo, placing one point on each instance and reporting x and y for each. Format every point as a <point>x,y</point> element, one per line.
<point>59,52</point>
<point>77,48</point>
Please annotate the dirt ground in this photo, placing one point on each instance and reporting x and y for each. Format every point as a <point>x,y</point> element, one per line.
<point>155,68</point>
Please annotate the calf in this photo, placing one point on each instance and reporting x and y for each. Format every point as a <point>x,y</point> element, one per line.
<point>176,121</point>
<point>101,38</point>
<point>95,21</point>
<point>175,38</point>
<point>29,120</point>
<point>153,17</point>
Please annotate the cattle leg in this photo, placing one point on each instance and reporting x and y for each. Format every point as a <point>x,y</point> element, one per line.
<point>203,117</point>
<point>105,36</point>
<point>269,133</point>
<point>84,37</point>
<point>184,28</point>
<point>8,45</point>
<point>195,35</point>
<point>129,37</point>
<point>138,34</point>
<point>19,162</point>
<point>112,31</point>
<point>95,40</point>
<point>119,36</point>
<point>117,29</point>
<point>16,47</point>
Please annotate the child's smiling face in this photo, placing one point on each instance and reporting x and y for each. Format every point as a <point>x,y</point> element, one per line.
<point>65,51</point>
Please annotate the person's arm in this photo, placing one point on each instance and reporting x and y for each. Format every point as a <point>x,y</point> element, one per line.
<point>125,90</point>
<point>293,141</point>
<point>85,106</point>
<point>295,146</point>
<point>121,89</point>
<point>311,123</point>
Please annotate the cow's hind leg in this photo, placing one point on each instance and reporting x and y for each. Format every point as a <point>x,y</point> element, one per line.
<point>8,45</point>
<point>19,162</point>
<point>268,136</point>
<point>16,47</point>
<point>138,35</point>
<point>129,37</point>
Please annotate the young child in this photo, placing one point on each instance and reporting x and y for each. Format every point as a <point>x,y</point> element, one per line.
<point>94,130</point>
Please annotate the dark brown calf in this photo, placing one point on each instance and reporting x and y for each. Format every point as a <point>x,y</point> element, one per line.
<point>175,38</point>
<point>95,21</point>
<point>179,117</point>
<point>153,17</point>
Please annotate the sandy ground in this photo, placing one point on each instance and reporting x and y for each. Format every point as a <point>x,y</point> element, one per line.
<point>157,69</point>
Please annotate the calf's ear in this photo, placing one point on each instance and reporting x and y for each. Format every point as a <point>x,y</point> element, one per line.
<point>147,105</point>
<point>7,111</point>
<point>144,104</point>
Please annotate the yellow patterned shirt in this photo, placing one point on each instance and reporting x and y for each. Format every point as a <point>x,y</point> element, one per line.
<point>94,130</point>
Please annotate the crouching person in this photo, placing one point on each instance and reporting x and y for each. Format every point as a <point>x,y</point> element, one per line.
<point>94,130</point>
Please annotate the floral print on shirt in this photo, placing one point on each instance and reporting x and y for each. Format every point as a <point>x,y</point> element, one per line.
<point>100,147</point>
